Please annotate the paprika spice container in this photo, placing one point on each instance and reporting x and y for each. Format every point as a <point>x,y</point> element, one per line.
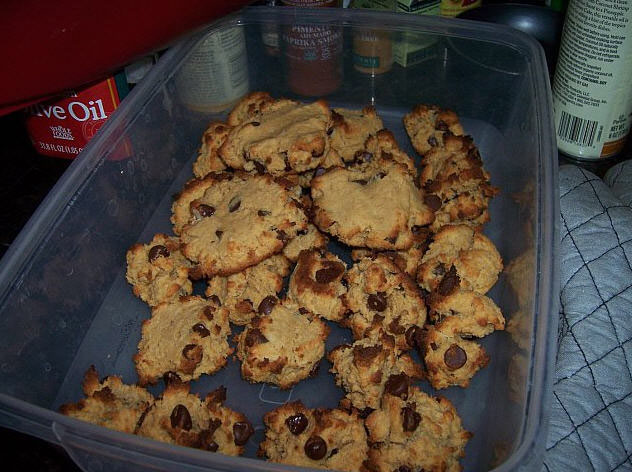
<point>313,53</point>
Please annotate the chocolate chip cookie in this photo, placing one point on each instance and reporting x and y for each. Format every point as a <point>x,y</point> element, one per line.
<point>208,159</point>
<point>350,130</point>
<point>474,257</point>
<point>381,296</point>
<point>456,183</point>
<point>316,284</point>
<point>331,439</point>
<point>428,125</point>
<point>378,210</point>
<point>414,431</point>
<point>450,360</point>
<point>109,402</point>
<point>281,347</point>
<point>180,417</point>
<point>188,336</point>
<point>157,271</point>
<point>285,136</point>
<point>371,366</point>
<point>240,220</point>
<point>243,293</point>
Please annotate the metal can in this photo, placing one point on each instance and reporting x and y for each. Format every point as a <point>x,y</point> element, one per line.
<point>592,91</point>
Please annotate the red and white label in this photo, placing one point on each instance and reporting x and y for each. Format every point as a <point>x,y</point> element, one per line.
<point>63,127</point>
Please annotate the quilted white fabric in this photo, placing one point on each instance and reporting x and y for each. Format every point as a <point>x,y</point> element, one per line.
<point>591,416</point>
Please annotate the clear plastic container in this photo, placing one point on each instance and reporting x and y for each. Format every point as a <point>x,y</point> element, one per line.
<point>65,304</point>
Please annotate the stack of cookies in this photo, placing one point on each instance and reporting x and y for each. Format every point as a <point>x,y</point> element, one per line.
<point>273,185</point>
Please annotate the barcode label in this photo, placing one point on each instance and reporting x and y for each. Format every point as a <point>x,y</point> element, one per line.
<point>577,130</point>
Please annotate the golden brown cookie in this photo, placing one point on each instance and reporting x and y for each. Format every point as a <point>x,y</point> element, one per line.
<point>158,271</point>
<point>367,208</point>
<point>428,125</point>
<point>208,159</point>
<point>456,184</point>
<point>369,367</point>
<point>474,257</point>
<point>285,136</point>
<point>316,284</point>
<point>381,296</point>
<point>450,360</point>
<point>242,293</point>
<point>240,220</point>
<point>414,431</point>
<point>350,130</point>
<point>188,336</point>
<point>282,347</point>
<point>326,439</point>
<point>179,417</point>
<point>109,402</point>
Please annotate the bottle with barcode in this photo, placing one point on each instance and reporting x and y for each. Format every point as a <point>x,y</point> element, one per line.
<point>592,90</point>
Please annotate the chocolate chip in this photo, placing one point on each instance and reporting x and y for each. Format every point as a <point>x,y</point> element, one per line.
<point>403,468</point>
<point>397,385</point>
<point>391,240</point>
<point>434,346</point>
<point>455,357</point>
<point>315,448</point>
<point>364,413</point>
<point>244,306</point>
<point>344,283</point>
<point>432,201</point>
<point>441,125</point>
<point>263,213</point>
<point>303,311</point>
<point>410,418</point>
<point>209,312</point>
<point>334,451</point>
<point>411,336</point>
<point>254,337</point>
<point>360,181</point>
<point>267,304</point>
<point>215,299</point>
<point>219,234</point>
<point>330,130</point>
<point>433,141</point>
<point>329,273</point>
<point>210,445</point>
<point>170,378</point>
<point>180,418</point>
<point>296,423</point>
<point>282,235</point>
<point>318,153</point>
<point>259,167</point>
<point>255,123</point>
<point>192,352</point>
<point>242,430</point>
<point>302,232</point>
<point>200,329</point>
<point>363,156</point>
<point>158,251</point>
<point>449,283</point>
<point>377,301</point>
<point>288,167</point>
<point>396,328</point>
<point>234,204</point>
<point>205,210</point>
